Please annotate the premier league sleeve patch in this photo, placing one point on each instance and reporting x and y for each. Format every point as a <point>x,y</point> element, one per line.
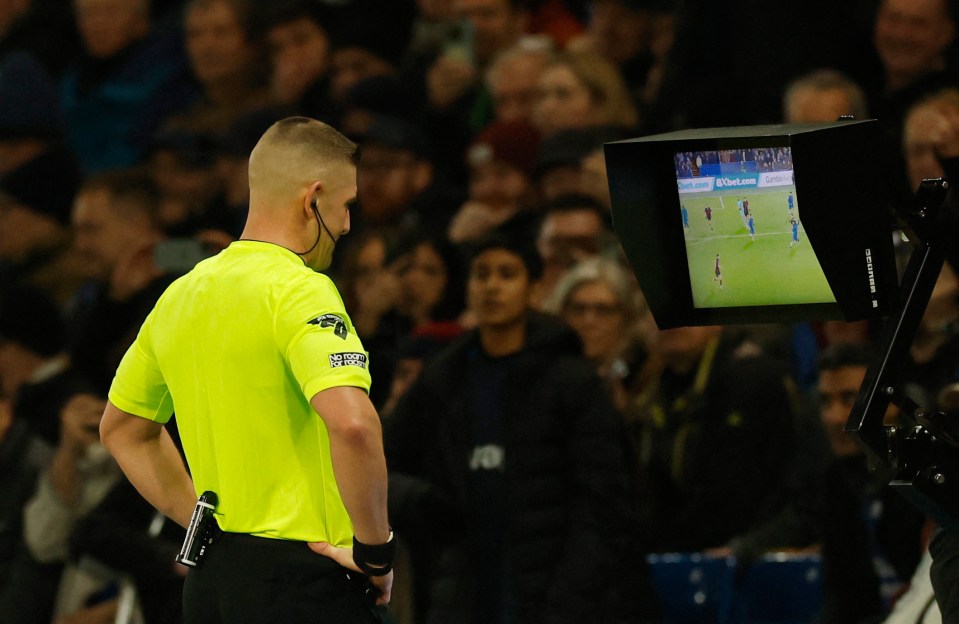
<point>331,320</point>
<point>338,360</point>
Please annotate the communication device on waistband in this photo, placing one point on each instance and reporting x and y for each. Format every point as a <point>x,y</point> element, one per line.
<point>201,531</point>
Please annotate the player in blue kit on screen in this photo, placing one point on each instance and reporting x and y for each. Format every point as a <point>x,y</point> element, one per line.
<point>795,225</point>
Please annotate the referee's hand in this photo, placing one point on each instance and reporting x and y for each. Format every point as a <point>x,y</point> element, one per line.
<point>344,557</point>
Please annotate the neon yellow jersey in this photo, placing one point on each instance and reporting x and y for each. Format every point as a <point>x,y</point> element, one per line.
<point>237,347</point>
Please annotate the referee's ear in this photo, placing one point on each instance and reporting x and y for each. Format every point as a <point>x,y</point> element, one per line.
<point>311,200</point>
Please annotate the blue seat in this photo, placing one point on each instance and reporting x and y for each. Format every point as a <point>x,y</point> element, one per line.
<point>780,588</point>
<point>692,589</point>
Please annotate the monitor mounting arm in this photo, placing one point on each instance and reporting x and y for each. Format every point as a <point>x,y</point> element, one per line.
<point>924,456</point>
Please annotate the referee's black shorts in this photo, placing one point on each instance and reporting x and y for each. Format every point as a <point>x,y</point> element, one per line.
<point>255,580</point>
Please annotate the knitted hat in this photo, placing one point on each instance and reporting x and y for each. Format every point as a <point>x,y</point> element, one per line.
<point>513,142</point>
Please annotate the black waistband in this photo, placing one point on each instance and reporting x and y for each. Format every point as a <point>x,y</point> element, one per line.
<point>273,547</point>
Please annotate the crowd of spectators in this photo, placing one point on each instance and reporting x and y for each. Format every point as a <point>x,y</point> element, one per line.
<point>125,127</point>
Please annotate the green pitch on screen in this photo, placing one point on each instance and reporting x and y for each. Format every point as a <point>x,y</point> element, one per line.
<point>763,270</point>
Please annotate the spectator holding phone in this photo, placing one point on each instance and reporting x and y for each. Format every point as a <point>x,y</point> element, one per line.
<point>455,100</point>
<point>79,477</point>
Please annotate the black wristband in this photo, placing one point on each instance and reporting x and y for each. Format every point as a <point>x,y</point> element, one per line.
<point>374,560</point>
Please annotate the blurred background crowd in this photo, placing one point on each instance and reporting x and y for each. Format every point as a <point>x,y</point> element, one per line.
<point>125,127</point>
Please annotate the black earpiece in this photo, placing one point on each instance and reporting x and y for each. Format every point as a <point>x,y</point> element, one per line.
<point>319,234</point>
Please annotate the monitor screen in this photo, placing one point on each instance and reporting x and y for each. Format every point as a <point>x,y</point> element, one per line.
<point>742,227</point>
<point>756,224</point>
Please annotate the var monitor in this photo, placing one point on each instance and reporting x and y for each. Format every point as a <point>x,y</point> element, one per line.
<point>756,224</point>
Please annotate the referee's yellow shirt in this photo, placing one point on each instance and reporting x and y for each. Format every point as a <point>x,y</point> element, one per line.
<point>237,347</point>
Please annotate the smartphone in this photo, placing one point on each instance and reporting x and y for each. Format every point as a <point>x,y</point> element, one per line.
<point>179,255</point>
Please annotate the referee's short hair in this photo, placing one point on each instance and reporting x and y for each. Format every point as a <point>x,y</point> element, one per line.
<point>297,150</point>
<point>324,140</point>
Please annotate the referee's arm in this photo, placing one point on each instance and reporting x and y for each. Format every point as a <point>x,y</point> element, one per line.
<point>150,460</point>
<point>359,465</point>
<point>356,448</point>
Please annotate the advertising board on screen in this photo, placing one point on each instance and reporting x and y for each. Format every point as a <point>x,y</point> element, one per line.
<point>742,227</point>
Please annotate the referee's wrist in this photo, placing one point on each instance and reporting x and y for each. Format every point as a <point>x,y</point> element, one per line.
<point>375,559</point>
<point>373,538</point>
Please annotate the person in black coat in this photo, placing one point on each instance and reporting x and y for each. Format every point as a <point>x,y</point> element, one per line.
<point>525,504</point>
<point>872,536</point>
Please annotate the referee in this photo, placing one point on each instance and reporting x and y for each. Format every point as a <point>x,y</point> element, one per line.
<point>248,348</point>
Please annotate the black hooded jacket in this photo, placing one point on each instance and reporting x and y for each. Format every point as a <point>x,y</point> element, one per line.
<point>565,487</point>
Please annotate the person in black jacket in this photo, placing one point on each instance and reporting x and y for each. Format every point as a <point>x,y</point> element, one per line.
<point>523,454</point>
<point>872,536</point>
<point>116,225</point>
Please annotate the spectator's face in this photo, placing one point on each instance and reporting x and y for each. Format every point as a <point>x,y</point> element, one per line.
<point>838,389</point>
<point>423,280</point>
<point>108,26</point>
<point>350,66</point>
<point>513,87</point>
<point>368,264</point>
<point>910,36</point>
<point>620,33</point>
<point>186,189</point>
<point>599,318</point>
<point>105,236</point>
<point>565,238</point>
<point>388,180</point>
<point>498,185</point>
<point>495,25</point>
<point>24,232</point>
<point>499,288</point>
<point>300,52</point>
<point>562,102</point>
<point>931,132</point>
<point>217,45</point>
<point>809,105</point>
